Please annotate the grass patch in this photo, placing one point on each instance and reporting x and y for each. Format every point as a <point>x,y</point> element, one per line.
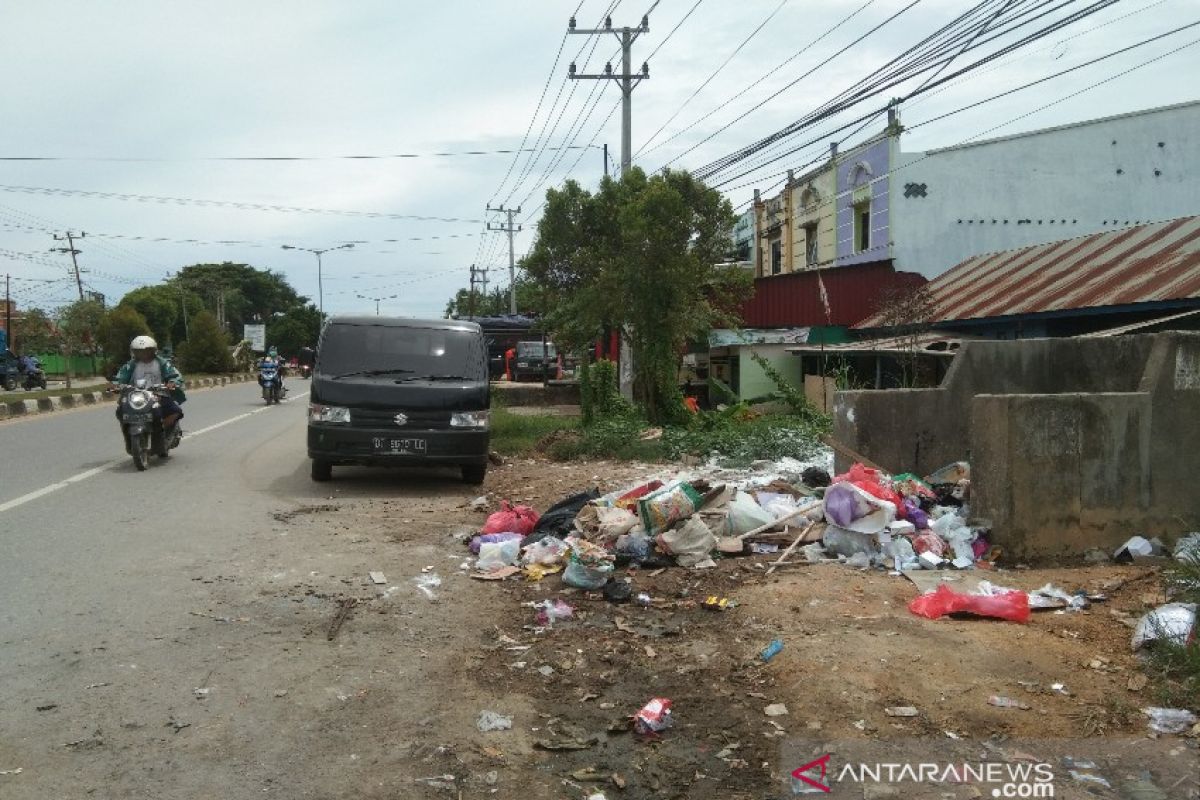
<point>1175,668</point>
<point>520,434</point>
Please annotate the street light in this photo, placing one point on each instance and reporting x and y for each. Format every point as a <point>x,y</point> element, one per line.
<point>376,300</point>
<point>318,254</point>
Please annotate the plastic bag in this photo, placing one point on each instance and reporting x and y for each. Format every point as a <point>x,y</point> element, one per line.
<point>634,545</point>
<point>493,555</point>
<point>588,566</point>
<point>548,551</point>
<point>559,519</point>
<point>1187,549</point>
<point>690,543</point>
<point>510,519</point>
<point>745,515</point>
<point>665,507</point>
<point>653,717</point>
<point>1170,720</point>
<point>848,505</point>
<point>929,542</point>
<point>1174,622</point>
<point>491,537</point>
<point>605,523</point>
<point>550,611</point>
<point>1012,606</point>
<point>842,542</point>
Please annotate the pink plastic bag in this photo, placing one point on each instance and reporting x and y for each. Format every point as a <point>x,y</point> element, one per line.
<point>1012,606</point>
<point>510,519</point>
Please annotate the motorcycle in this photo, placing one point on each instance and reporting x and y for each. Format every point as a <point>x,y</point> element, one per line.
<point>305,370</point>
<point>271,382</point>
<point>35,378</point>
<point>140,414</point>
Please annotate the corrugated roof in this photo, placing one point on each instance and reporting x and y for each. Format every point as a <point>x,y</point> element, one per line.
<point>794,299</point>
<point>1140,264</point>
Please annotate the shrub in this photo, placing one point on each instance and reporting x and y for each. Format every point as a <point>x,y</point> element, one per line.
<point>207,347</point>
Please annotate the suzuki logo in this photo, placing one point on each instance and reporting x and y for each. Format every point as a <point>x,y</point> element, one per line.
<point>400,419</point>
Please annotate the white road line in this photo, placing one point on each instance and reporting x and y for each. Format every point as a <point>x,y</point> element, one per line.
<point>94,471</point>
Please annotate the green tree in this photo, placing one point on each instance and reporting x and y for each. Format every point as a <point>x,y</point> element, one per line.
<point>207,349</point>
<point>77,326</point>
<point>250,294</point>
<point>641,255</point>
<point>160,306</point>
<point>298,327</point>
<point>530,300</point>
<point>116,331</point>
<point>34,332</point>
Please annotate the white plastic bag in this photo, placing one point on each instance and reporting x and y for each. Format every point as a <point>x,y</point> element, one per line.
<point>745,514</point>
<point>1174,622</point>
<point>690,543</point>
<point>493,555</point>
<point>548,551</point>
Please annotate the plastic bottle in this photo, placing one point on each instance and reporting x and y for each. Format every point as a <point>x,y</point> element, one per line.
<point>771,650</point>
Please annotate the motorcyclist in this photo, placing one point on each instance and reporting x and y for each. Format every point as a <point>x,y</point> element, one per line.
<point>273,359</point>
<point>156,370</point>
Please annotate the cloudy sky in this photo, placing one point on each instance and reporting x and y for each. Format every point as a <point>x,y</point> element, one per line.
<point>143,98</point>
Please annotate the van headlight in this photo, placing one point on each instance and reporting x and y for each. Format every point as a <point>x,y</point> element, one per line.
<point>334,415</point>
<point>469,419</point>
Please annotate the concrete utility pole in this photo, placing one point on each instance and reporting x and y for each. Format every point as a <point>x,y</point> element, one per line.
<point>70,248</point>
<point>512,262</point>
<point>628,79</point>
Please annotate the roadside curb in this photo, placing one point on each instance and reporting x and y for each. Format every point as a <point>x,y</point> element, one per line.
<point>48,405</point>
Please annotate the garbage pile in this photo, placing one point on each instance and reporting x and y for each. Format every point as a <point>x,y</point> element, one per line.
<point>863,517</point>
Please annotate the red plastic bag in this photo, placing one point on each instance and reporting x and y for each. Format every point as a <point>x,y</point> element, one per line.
<point>874,483</point>
<point>510,519</point>
<point>858,472</point>
<point>1012,606</point>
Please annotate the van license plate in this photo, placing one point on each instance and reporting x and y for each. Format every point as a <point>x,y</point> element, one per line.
<point>398,446</point>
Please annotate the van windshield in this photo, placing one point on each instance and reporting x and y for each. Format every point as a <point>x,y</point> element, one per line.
<point>393,352</point>
<point>536,350</point>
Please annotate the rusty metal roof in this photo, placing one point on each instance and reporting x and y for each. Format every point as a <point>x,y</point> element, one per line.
<point>1140,264</point>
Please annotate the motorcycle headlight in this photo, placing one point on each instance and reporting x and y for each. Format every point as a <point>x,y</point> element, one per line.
<point>334,415</point>
<point>469,419</point>
<point>139,400</point>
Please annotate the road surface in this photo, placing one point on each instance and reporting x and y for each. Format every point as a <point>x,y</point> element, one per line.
<point>164,633</point>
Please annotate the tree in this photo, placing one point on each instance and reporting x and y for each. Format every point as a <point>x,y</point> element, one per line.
<point>640,255</point>
<point>250,294</point>
<point>530,301</point>
<point>77,326</point>
<point>296,328</point>
<point>160,306</point>
<point>207,349</point>
<point>34,332</point>
<point>116,331</point>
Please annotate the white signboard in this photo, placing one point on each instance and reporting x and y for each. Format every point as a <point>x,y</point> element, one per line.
<point>256,335</point>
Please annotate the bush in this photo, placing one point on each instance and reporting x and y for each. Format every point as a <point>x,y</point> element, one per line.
<point>600,392</point>
<point>1177,667</point>
<point>520,434</point>
<point>207,347</point>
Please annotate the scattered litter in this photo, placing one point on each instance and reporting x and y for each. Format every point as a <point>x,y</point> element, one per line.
<point>715,603</point>
<point>492,721</point>
<point>479,503</point>
<point>653,717</point>
<point>763,548</point>
<point>281,692</point>
<point>89,743</point>
<point>16,771</point>
<point>1187,549</point>
<point>377,578</point>
<point>500,573</point>
<point>618,591</point>
<point>1137,547</point>
<point>546,670</point>
<point>643,599</point>
<point>550,611</point>
<point>500,554</point>
<point>1173,622</point>
<point>47,707</point>
<point>776,710</point>
<point>1007,605</point>
<point>588,565</point>
<point>97,685</point>
<point>999,701</point>
<point>1060,688</point>
<point>201,693</point>
<point>771,650</point>
<point>1087,777</point>
<point>1170,720</point>
<point>901,711</point>
<point>426,583</point>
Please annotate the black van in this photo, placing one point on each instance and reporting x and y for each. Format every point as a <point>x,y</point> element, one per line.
<point>399,392</point>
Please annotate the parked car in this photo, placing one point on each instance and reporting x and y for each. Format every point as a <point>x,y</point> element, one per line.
<point>535,361</point>
<point>400,392</point>
<point>10,371</point>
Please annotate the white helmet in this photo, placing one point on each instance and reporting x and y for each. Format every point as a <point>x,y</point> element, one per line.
<point>143,343</point>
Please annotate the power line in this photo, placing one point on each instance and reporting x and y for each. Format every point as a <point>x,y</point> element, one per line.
<point>375,157</point>
<point>141,198</point>
<point>715,73</point>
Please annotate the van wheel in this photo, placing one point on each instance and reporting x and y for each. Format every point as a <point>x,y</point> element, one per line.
<point>474,474</point>
<point>322,470</point>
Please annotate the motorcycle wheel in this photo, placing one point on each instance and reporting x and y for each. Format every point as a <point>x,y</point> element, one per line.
<point>9,385</point>
<point>141,453</point>
<point>42,383</point>
<point>162,446</point>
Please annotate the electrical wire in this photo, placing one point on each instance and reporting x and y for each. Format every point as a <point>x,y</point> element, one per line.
<point>376,157</point>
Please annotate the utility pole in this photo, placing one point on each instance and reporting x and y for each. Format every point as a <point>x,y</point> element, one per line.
<point>606,159</point>
<point>629,80</point>
<point>510,229</point>
<point>471,301</point>
<point>70,248</point>
<point>8,313</point>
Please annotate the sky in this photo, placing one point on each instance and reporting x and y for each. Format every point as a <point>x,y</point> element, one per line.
<point>142,98</point>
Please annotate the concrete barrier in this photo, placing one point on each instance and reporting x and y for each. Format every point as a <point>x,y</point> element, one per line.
<point>1073,443</point>
<point>48,405</point>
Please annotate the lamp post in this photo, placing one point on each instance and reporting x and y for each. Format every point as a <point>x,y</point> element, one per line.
<point>377,300</point>
<point>318,254</point>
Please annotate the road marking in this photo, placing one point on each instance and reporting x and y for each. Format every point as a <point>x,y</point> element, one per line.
<point>94,471</point>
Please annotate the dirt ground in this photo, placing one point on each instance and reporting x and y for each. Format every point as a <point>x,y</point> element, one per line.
<point>388,707</point>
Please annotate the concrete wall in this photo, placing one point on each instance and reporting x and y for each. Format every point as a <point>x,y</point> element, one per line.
<point>813,202</point>
<point>752,381</point>
<point>1073,442</point>
<point>1058,183</point>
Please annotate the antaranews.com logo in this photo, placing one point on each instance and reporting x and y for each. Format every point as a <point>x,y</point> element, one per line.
<point>1006,780</point>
